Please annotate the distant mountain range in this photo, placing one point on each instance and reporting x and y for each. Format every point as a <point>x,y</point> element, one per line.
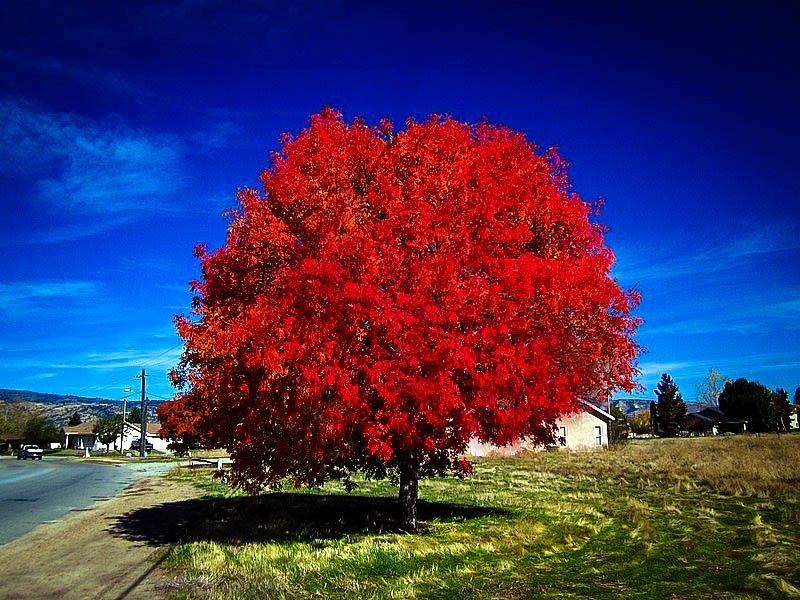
<point>632,406</point>
<point>58,408</point>
<point>39,398</point>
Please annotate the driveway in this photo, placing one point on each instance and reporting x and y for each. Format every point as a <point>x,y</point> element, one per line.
<point>35,492</point>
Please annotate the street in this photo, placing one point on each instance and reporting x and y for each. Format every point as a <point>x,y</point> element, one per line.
<point>34,492</point>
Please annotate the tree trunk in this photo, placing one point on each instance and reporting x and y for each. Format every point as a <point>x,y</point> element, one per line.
<point>409,478</point>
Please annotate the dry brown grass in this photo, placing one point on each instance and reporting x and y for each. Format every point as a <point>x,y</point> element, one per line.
<point>765,466</point>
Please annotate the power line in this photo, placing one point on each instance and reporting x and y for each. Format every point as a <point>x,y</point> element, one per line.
<point>95,390</point>
<point>150,362</point>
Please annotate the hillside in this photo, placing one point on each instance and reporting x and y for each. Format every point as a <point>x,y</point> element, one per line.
<point>633,406</point>
<point>58,407</point>
<point>39,398</point>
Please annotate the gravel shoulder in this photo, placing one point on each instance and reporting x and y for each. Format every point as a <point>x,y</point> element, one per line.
<point>79,556</point>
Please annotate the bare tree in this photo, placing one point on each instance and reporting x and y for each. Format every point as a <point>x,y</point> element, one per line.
<point>711,387</point>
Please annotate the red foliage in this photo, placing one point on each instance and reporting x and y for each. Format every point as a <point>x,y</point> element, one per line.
<point>393,294</point>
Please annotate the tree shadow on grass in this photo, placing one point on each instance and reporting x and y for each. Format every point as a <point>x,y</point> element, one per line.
<point>278,517</point>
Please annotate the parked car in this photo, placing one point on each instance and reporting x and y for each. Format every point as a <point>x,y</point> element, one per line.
<point>29,451</point>
<point>148,446</point>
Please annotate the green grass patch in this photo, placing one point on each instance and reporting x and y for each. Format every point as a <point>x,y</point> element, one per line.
<point>710,518</point>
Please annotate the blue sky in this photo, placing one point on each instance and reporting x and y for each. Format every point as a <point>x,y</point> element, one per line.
<point>125,130</point>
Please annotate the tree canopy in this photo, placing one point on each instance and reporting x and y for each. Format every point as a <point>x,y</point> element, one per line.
<point>108,430</point>
<point>134,415</point>
<point>640,422</point>
<point>40,430</point>
<point>618,428</point>
<point>751,401</point>
<point>391,295</point>
<point>12,418</point>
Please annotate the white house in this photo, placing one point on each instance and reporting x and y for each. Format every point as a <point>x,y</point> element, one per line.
<point>81,437</point>
<point>584,430</point>
<point>132,432</point>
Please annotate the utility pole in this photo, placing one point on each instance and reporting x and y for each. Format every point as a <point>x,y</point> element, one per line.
<point>126,391</point>
<point>122,425</point>
<point>143,424</point>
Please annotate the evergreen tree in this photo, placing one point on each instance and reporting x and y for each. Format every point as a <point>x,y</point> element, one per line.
<point>75,419</point>
<point>135,416</point>
<point>751,401</point>
<point>671,407</point>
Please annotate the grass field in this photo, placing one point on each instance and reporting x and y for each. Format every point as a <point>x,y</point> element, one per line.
<point>683,518</point>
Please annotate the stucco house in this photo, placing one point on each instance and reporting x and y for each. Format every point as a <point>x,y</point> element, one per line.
<point>79,437</point>
<point>584,430</point>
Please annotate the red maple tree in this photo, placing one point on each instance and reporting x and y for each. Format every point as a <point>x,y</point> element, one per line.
<point>391,295</point>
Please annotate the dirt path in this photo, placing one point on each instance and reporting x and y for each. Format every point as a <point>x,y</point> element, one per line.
<point>79,557</point>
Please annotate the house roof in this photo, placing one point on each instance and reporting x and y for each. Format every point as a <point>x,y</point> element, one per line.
<point>81,429</point>
<point>713,413</point>
<point>702,418</point>
<point>152,427</point>
<point>87,428</point>
<point>599,411</point>
<point>713,416</point>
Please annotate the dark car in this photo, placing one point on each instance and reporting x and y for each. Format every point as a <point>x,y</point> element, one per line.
<point>29,451</point>
<point>148,446</point>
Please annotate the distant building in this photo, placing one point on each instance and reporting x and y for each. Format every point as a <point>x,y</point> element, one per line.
<point>79,437</point>
<point>712,421</point>
<point>10,441</point>
<point>584,430</point>
<point>132,432</point>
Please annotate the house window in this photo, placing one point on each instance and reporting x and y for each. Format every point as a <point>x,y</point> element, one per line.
<point>562,435</point>
<point>598,435</point>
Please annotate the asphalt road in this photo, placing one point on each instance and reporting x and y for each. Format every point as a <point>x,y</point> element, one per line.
<point>34,492</point>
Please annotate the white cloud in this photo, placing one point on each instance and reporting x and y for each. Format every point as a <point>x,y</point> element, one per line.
<point>681,260</point>
<point>101,173</point>
<point>131,360</point>
<point>701,326</point>
<point>657,368</point>
<point>218,135</point>
<point>741,314</point>
<point>28,296</point>
<point>103,80</point>
<point>39,376</point>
